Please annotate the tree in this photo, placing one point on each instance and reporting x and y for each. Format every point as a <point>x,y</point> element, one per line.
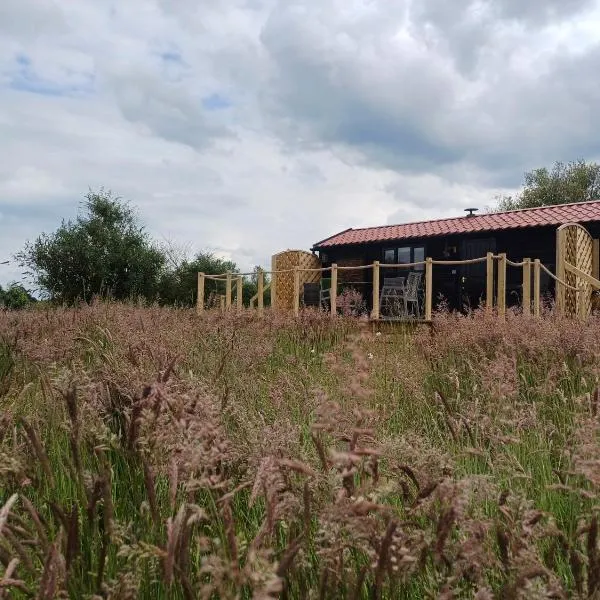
<point>573,182</point>
<point>104,252</point>
<point>178,285</point>
<point>253,286</point>
<point>15,297</point>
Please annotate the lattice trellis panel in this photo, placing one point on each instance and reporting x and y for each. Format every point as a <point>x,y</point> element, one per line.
<point>585,253</point>
<point>574,246</point>
<point>282,286</point>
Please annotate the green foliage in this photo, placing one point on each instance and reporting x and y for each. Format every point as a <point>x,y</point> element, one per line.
<point>251,287</point>
<point>179,284</point>
<point>576,181</point>
<point>15,297</point>
<point>104,252</point>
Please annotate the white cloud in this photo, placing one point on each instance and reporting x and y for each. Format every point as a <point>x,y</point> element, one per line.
<point>255,125</point>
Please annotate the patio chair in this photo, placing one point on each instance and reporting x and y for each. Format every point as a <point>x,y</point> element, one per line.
<point>411,294</point>
<point>392,292</point>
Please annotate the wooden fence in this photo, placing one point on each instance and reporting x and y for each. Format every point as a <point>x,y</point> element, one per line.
<point>531,289</point>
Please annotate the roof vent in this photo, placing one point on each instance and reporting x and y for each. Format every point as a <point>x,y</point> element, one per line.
<point>471,211</point>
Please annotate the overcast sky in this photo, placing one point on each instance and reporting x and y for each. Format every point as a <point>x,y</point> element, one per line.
<point>251,126</point>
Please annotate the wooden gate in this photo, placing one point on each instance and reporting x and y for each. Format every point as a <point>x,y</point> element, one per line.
<point>574,248</point>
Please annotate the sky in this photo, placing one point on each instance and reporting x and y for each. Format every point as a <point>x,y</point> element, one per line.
<point>246,127</point>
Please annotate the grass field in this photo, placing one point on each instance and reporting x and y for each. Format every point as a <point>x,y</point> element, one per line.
<point>152,453</point>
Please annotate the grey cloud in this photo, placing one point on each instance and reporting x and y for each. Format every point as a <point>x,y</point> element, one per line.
<point>532,13</point>
<point>461,30</point>
<point>470,30</point>
<point>540,11</point>
<point>167,110</point>
<point>341,85</point>
<point>403,100</point>
<point>306,172</point>
<point>204,204</point>
<point>544,118</point>
<point>225,34</point>
<point>31,19</point>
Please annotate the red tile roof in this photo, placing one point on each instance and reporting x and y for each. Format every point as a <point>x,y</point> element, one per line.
<point>556,215</point>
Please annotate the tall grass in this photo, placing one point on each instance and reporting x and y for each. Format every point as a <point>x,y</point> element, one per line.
<point>152,453</point>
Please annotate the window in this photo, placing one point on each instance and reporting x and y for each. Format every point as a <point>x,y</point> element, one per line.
<point>389,256</point>
<point>419,256</point>
<point>404,255</point>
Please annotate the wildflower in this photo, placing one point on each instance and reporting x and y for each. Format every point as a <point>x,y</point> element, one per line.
<point>378,334</point>
<point>313,351</point>
<point>370,356</point>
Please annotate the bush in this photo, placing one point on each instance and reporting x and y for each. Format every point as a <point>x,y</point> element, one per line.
<point>15,297</point>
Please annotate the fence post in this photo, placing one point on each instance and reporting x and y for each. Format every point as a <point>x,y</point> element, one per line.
<point>261,290</point>
<point>273,283</point>
<point>581,303</point>
<point>502,285</point>
<point>375,313</point>
<point>536,287</point>
<point>559,289</point>
<point>200,299</point>
<point>428,288</point>
<point>526,286</point>
<point>333,289</point>
<point>222,303</point>
<point>489,289</point>
<point>240,292</point>
<point>228,291</point>
<point>296,291</point>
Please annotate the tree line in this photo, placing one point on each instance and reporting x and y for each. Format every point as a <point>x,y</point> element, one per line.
<point>106,252</point>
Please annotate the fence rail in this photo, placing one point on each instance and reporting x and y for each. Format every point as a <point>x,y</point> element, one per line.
<point>531,294</point>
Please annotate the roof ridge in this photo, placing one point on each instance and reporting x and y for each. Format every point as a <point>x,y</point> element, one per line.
<point>510,219</point>
<point>545,206</point>
<point>334,235</point>
<point>501,212</point>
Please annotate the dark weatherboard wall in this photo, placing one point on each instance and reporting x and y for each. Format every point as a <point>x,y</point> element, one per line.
<point>459,286</point>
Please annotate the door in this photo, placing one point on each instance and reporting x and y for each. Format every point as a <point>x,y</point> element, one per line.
<point>473,277</point>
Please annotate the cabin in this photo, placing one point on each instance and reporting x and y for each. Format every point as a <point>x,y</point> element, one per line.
<point>527,233</point>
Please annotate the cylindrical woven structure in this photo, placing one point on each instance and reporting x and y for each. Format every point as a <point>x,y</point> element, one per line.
<point>282,284</point>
